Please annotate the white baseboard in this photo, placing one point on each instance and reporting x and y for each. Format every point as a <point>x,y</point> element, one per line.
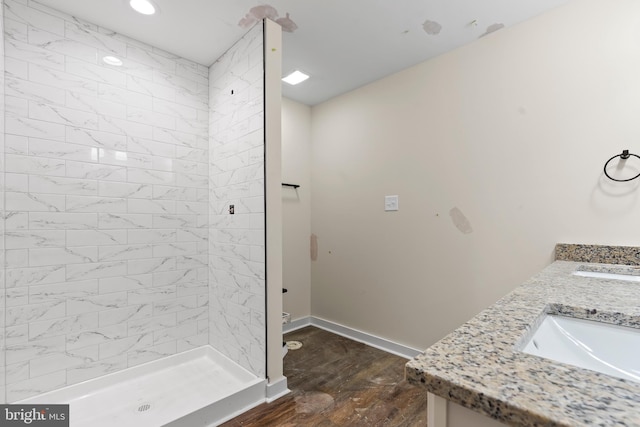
<point>354,334</point>
<point>276,389</point>
<point>294,325</point>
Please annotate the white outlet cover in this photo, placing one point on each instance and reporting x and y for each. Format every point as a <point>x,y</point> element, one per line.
<point>391,203</point>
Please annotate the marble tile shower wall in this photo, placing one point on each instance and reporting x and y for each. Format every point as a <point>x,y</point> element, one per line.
<point>237,242</point>
<point>106,201</point>
<point>2,287</point>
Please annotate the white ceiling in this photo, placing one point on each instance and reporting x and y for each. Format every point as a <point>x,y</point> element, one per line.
<point>342,44</point>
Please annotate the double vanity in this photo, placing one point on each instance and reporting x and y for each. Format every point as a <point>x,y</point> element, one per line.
<point>563,349</point>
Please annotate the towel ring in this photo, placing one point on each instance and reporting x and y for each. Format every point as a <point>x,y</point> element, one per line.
<point>624,156</point>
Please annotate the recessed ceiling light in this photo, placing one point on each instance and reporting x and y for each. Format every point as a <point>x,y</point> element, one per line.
<point>144,7</point>
<point>295,78</point>
<point>112,60</point>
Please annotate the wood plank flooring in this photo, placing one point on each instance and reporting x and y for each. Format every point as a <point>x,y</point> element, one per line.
<point>335,381</point>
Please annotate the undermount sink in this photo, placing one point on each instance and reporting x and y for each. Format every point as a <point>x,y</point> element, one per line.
<point>630,274</point>
<point>609,349</point>
<point>604,275</point>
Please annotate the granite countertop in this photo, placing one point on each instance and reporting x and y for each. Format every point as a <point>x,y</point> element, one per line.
<point>478,365</point>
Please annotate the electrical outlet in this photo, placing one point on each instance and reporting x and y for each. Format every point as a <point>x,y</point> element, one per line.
<point>390,203</point>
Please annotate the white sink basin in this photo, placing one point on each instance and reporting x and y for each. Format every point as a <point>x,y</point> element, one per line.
<point>602,347</point>
<point>605,275</point>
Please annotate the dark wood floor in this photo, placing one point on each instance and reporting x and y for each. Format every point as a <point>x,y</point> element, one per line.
<point>338,382</point>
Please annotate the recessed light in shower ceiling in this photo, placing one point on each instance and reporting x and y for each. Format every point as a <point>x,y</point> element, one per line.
<point>145,7</point>
<point>112,60</point>
<point>295,77</point>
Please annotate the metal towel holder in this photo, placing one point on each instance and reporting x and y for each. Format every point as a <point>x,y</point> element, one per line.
<point>623,156</point>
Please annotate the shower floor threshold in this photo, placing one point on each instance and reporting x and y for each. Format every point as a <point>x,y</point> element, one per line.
<point>199,387</point>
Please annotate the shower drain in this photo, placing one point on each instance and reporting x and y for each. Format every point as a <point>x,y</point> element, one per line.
<point>144,407</point>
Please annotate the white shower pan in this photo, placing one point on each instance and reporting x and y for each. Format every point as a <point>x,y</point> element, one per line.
<point>602,347</point>
<point>200,387</point>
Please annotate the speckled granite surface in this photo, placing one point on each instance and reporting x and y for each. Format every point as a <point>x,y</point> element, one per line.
<point>628,255</point>
<point>478,366</point>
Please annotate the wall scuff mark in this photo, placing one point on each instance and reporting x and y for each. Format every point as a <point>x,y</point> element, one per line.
<point>491,29</point>
<point>460,221</point>
<point>258,13</point>
<point>314,247</point>
<point>287,24</point>
<point>431,27</point>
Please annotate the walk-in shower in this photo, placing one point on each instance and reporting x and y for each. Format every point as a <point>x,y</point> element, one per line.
<point>129,290</point>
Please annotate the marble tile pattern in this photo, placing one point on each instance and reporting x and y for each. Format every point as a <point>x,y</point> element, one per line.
<point>237,325</point>
<point>628,255</point>
<point>479,366</point>
<point>106,201</point>
<point>2,216</point>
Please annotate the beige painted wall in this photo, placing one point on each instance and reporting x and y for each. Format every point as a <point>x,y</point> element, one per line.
<point>513,130</point>
<point>273,207</point>
<point>296,207</point>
